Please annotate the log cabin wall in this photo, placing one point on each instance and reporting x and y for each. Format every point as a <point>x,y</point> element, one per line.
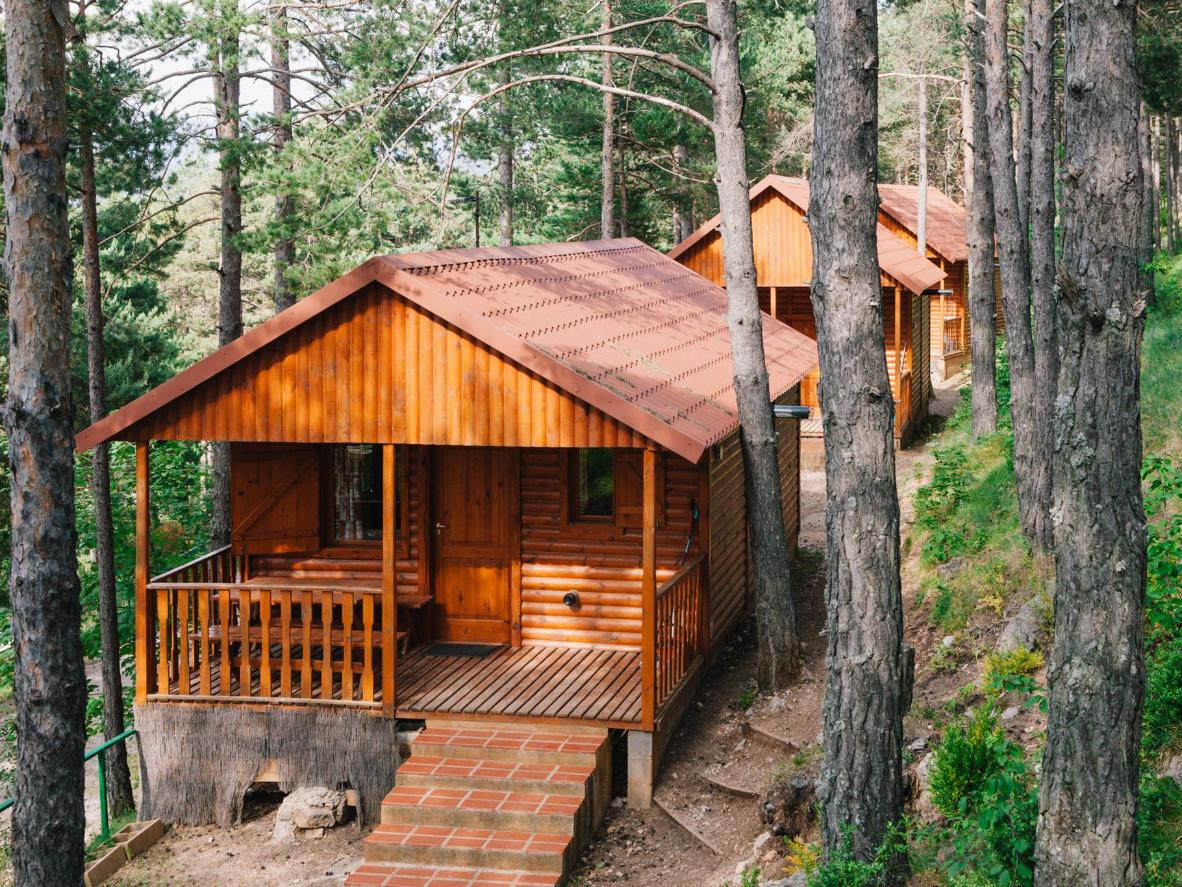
<point>375,368</point>
<point>788,452</point>
<point>601,563</point>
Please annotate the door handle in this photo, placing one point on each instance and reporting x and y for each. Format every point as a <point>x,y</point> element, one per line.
<point>439,526</point>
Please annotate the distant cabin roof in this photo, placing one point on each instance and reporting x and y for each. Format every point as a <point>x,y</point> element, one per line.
<point>946,218</point>
<point>896,257</point>
<point>613,323</point>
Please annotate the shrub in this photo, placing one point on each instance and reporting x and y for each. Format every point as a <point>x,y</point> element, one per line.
<point>1014,663</point>
<point>964,761</point>
<point>842,869</point>
<point>1159,819</point>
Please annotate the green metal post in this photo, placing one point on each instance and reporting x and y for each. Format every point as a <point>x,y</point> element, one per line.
<point>104,824</point>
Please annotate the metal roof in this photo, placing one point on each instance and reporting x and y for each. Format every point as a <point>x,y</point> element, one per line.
<point>614,322</point>
<point>896,257</point>
<point>946,219</point>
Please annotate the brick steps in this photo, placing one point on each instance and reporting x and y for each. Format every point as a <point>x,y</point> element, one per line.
<point>372,874</point>
<point>479,805</point>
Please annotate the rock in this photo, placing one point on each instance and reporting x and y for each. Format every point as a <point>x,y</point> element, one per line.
<point>1010,713</point>
<point>1173,769</point>
<point>307,812</point>
<point>800,879</point>
<point>925,807</point>
<point>948,640</point>
<point>789,806</point>
<point>919,744</point>
<point>760,843</point>
<point>951,568</point>
<point>1021,632</point>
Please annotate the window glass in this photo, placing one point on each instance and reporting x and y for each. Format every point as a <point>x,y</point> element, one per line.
<point>595,483</point>
<point>357,492</point>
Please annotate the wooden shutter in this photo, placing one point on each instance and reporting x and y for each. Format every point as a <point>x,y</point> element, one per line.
<point>629,488</point>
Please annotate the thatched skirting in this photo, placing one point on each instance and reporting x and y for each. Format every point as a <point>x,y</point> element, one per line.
<point>197,763</point>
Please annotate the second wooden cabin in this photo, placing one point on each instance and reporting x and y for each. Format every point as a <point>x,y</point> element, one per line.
<point>784,271</point>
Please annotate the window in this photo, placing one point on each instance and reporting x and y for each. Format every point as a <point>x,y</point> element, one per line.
<point>357,493</point>
<point>595,483</point>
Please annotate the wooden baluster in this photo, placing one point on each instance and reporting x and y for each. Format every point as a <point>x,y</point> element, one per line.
<point>306,644</point>
<point>264,642</point>
<point>163,679</point>
<point>285,640</point>
<point>367,653</point>
<point>326,649</point>
<point>182,621</point>
<point>203,668</point>
<point>244,679</point>
<point>224,619</point>
<point>347,647</point>
<point>648,592</point>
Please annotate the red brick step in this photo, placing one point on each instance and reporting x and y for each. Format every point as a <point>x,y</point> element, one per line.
<point>550,779</point>
<point>373,874</point>
<point>482,808</point>
<point>468,847</point>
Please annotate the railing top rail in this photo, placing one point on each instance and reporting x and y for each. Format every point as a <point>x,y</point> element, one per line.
<point>207,556</point>
<point>692,564</point>
<point>257,584</point>
<point>94,752</point>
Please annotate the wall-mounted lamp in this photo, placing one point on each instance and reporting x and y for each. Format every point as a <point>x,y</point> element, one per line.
<point>571,600</point>
<point>789,411</point>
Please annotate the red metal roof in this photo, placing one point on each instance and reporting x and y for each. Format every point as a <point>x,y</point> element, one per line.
<point>896,257</point>
<point>615,323</point>
<point>946,219</point>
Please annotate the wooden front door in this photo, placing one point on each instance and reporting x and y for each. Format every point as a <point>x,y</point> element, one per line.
<point>473,531</point>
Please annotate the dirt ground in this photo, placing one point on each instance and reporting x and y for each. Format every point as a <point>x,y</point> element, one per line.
<point>728,749</point>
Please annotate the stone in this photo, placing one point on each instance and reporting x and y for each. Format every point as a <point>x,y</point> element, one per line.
<point>1173,769</point>
<point>948,640</point>
<point>918,745</point>
<point>789,806</point>
<point>1010,713</point>
<point>1021,632</point>
<point>951,568</point>
<point>800,879</point>
<point>925,807</point>
<point>760,843</point>
<point>307,812</point>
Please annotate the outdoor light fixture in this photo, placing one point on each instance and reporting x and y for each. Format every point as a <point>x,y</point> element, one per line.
<point>789,411</point>
<point>938,292</point>
<point>571,599</point>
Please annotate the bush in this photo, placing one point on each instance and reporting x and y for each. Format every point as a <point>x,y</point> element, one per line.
<point>842,869</point>
<point>1160,824</point>
<point>1019,662</point>
<point>981,782</point>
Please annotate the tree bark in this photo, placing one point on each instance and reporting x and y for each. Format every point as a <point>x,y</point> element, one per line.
<point>118,783</point>
<point>1032,445</point>
<point>683,210</point>
<point>227,93</point>
<point>1042,227</point>
<point>921,227</point>
<point>281,108</point>
<point>1022,157</point>
<point>1145,148</point>
<point>775,615</point>
<point>505,169</point>
<point>1087,833</point>
<point>979,236</point>
<point>1167,155</point>
<point>49,687</point>
<point>861,785</point>
<point>607,219</point>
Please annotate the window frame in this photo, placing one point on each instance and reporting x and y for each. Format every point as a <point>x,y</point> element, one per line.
<point>328,536</point>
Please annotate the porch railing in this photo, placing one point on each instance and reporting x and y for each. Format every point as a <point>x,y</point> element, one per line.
<point>680,625</point>
<point>953,335</point>
<point>215,637</point>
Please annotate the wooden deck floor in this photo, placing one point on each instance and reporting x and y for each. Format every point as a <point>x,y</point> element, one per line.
<point>532,683</point>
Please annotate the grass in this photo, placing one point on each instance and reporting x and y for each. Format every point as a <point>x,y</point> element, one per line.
<point>1161,365</point>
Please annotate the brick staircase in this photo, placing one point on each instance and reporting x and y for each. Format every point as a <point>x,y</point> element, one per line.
<point>485,804</point>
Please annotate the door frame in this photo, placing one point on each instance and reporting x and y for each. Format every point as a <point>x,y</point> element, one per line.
<point>513,540</point>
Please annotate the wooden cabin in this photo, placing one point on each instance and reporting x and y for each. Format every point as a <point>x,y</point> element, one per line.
<point>946,245</point>
<point>496,491</point>
<point>784,270</point>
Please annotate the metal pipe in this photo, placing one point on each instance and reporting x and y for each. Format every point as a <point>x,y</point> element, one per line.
<point>790,411</point>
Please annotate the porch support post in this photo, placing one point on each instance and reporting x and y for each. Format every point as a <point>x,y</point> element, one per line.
<point>145,615</point>
<point>898,386</point>
<point>772,306</point>
<point>641,769</point>
<point>648,592</point>
<point>389,567</point>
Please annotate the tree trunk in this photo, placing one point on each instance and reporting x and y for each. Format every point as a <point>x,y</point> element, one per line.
<point>1154,155</point>
<point>921,228</point>
<point>1031,444</point>
<point>622,167</point>
<point>979,234</point>
<point>1167,159</point>
<point>607,219</point>
<point>281,108</point>
<point>119,794</point>
<point>226,101</point>
<point>683,210</point>
<point>861,785</point>
<point>1087,833</point>
<point>775,615</point>
<point>1145,149</point>
<point>506,144</point>
<point>1025,121</point>
<point>1042,228</point>
<point>49,687</point>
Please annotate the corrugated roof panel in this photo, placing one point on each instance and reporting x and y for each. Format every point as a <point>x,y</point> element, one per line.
<point>946,219</point>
